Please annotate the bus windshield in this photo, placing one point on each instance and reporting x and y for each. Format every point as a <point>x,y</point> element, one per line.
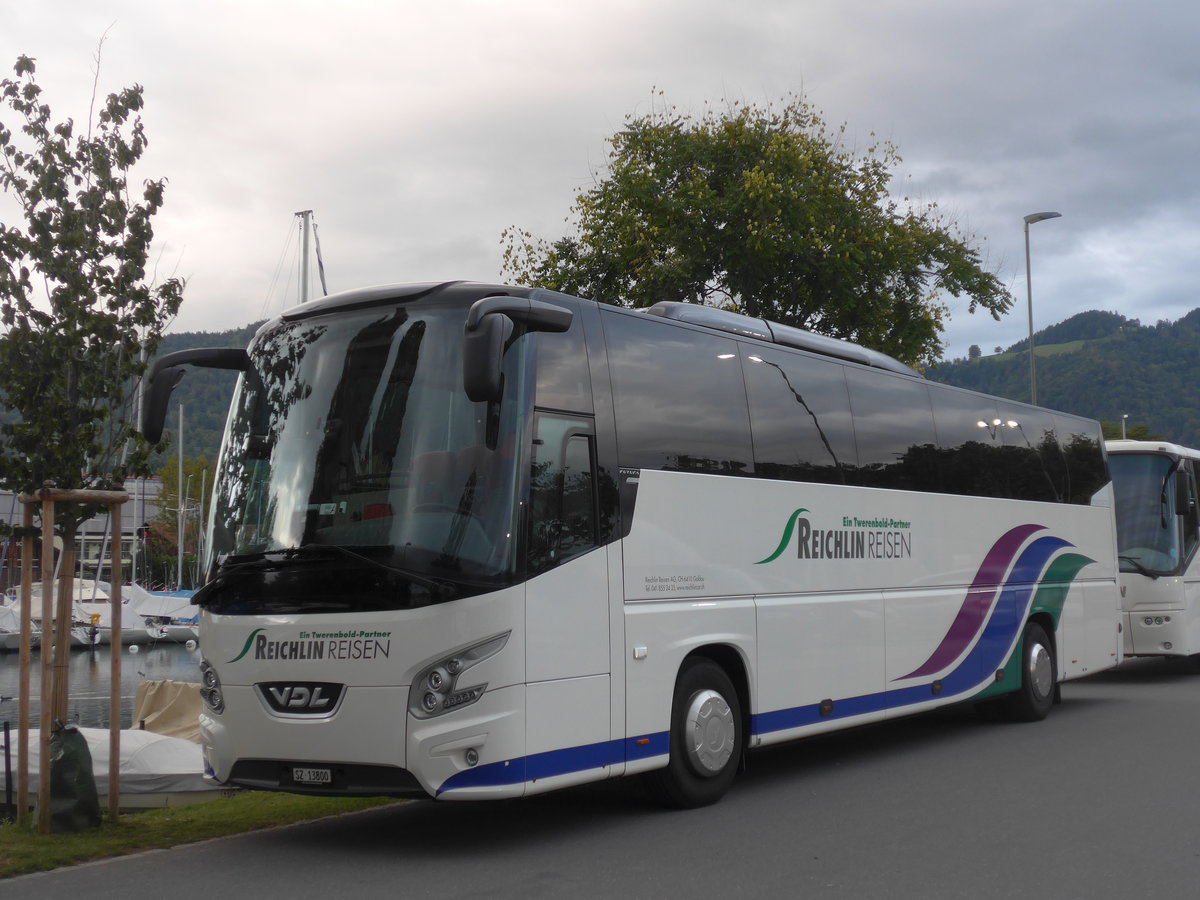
<point>350,440</point>
<point>1147,527</point>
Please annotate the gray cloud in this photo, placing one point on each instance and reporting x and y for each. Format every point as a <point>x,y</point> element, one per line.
<point>418,133</point>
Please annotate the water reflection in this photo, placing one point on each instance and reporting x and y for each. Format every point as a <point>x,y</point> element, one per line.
<point>89,680</point>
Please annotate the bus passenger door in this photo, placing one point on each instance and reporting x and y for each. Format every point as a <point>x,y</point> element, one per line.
<point>567,610</point>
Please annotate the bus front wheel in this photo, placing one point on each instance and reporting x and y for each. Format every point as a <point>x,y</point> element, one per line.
<point>1033,699</point>
<point>706,738</point>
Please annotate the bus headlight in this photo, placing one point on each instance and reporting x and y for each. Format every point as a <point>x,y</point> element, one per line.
<point>440,686</point>
<point>210,687</point>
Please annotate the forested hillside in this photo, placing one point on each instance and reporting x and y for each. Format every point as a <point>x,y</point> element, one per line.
<point>205,394</point>
<point>1103,366</point>
<point>1085,326</point>
<point>1096,364</point>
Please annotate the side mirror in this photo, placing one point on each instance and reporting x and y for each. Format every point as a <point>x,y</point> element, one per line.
<point>483,352</point>
<point>489,327</point>
<point>167,371</point>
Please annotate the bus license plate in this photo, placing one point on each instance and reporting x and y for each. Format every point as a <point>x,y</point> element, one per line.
<point>312,776</point>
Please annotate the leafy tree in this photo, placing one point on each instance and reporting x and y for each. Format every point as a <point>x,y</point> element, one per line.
<point>973,352</point>
<point>162,545</point>
<point>75,304</point>
<point>765,212</point>
<point>197,477</point>
<point>1112,432</point>
<point>160,562</point>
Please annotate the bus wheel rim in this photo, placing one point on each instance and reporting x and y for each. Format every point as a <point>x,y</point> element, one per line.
<point>711,732</point>
<point>1041,670</point>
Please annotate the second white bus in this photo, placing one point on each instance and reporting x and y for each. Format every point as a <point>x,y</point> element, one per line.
<point>1158,531</point>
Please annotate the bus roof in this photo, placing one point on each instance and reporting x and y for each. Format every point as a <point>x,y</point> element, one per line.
<point>691,313</point>
<point>788,336</point>
<point>1128,446</point>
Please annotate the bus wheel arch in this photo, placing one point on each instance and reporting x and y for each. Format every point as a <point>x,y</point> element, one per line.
<point>707,737</point>
<point>1038,669</point>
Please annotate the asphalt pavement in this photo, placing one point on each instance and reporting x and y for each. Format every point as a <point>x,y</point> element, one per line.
<point>1097,801</point>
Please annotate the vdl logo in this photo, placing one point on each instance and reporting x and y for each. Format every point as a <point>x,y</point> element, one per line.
<point>301,698</point>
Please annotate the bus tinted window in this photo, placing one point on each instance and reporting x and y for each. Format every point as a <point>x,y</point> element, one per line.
<point>562,492</point>
<point>967,442</point>
<point>799,416</point>
<point>679,397</point>
<point>1034,466</point>
<point>893,427</point>
<point>1083,454</point>
<point>563,381</point>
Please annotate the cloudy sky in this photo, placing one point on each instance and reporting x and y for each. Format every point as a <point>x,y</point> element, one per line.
<point>418,132</point>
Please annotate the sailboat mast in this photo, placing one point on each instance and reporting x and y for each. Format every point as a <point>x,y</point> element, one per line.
<point>305,216</point>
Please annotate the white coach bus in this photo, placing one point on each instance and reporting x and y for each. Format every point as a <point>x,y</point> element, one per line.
<point>471,541</point>
<point>1158,528</point>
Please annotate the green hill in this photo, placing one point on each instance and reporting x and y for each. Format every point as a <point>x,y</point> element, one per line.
<point>1096,364</point>
<point>1103,366</point>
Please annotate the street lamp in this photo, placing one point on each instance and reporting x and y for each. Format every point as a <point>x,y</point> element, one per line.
<point>1029,220</point>
<point>1124,416</point>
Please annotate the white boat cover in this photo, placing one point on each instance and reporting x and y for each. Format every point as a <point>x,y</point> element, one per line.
<point>150,763</point>
<point>164,604</point>
<point>10,629</point>
<point>10,620</point>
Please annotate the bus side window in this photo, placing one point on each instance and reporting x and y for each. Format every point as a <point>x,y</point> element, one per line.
<point>1191,516</point>
<point>562,492</point>
<point>893,428</point>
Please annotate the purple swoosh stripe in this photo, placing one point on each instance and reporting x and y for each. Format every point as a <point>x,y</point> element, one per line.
<point>979,599</point>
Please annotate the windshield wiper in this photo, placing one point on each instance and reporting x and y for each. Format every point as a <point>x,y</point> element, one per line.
<point>442,588</point>
<point>305,553</point>
<point>1138,567</point>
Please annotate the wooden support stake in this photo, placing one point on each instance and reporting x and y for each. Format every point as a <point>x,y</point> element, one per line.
<point>56,636</point>
<point>115,647</point>
<point>48,645</point>
<point>26,657</point>
<point>64,617</point>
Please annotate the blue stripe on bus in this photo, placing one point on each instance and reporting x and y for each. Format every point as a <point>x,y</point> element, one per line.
<point>979,666</point>
<point>560,762</point>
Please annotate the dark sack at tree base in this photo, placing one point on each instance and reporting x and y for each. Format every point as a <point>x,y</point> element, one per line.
<point>74,804</point>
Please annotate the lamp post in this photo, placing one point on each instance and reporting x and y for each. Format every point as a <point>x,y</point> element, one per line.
<point>1029,220</point>
<point>1124,416</point>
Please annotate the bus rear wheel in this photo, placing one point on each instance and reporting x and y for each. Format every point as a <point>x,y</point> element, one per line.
<point>1032,700</point>
<point>706,739</point>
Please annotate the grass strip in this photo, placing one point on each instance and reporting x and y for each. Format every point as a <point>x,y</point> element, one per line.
<point>23,850</point>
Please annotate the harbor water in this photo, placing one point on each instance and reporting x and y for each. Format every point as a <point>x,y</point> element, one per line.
<point>89,680</point>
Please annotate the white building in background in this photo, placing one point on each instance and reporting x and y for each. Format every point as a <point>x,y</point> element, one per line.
<point>94,542</point>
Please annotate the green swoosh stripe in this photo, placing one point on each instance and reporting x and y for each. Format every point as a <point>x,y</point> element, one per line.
<point>249,641</point>
<point>786,539</point>
<point>1052,590</point>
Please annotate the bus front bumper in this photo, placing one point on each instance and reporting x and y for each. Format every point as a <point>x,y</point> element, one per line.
<point>371,745</point>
